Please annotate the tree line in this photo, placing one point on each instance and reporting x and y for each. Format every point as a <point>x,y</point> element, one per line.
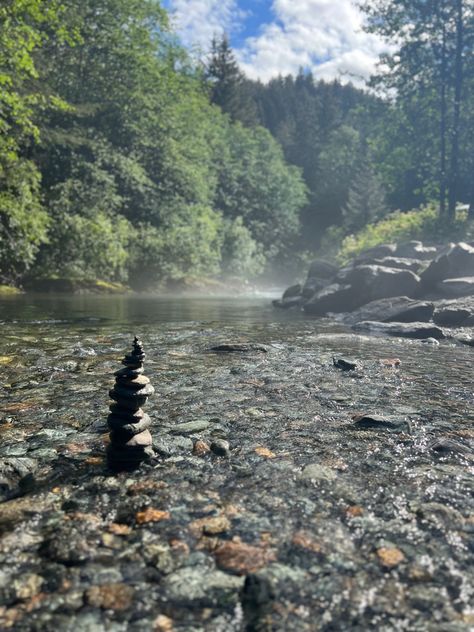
<point>114,163</point>
<point>122,159</point>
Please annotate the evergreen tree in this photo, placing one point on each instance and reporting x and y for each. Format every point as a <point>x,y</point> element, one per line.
<point>229,90</point>
<point>366,198</point>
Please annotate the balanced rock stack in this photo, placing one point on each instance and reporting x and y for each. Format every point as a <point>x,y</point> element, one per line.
<point>130,439</point>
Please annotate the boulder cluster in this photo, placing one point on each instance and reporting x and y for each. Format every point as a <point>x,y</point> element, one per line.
<point>402,283</point>
<point>130,438</point>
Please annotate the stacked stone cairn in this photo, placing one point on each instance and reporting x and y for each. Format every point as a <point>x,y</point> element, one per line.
<point>130,438</point>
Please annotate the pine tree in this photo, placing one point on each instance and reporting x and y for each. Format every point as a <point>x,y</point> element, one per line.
<point>229,89</point>
<point>366,199</point>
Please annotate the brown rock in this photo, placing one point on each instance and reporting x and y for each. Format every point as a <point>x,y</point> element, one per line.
<point>303,540</point>
<point>265,452</point>
<point>110,596</point>
<point>163,623</point>
<point>241,558</point>
<point>390,557</point>
<point>151,515</point>
<point>119,529</point>
<point>212,525</point>
<point>201,448</point>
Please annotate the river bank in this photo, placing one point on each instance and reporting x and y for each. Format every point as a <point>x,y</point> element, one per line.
<point>311,516</point>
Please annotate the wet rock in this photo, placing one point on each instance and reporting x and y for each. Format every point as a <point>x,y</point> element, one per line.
<point>450,316</point>
<point>16,476</point>
<point>110,596</point>
<point>239,348</point>
<point>212,525</point>
<point>465,339</point>
<point>317,472</point>
<point>322,269</point>
<point>402,330</point>
<point>458,287</point>
<point>416,249</point>
<point>69,546</point>
<point>292,297</point>
<point>445,447</point>
<point>190,427</point>
<point>168,446</point>
<point>201,448</point>
<point>440,516</point>
<point>398,262</point>
<point>398,309</point>
<point>390,557</point>
<point>344,365</point>
<point>130,439</point>
<point>241,558</point>
<point>378,252</point>
<point>288,303</point>
<point>291,292</point>
<point>381,422</point>
<point>457,262</point>
<point>373,282</point>
<point>220,447</point>
<point>334,298</point>
<point>430,341</point>
<point>200,587</point>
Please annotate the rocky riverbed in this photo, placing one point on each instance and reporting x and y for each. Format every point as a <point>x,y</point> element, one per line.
<point>288,492</point>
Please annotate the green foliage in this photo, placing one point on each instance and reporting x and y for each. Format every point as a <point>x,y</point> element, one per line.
<point>257,185</point>
<point>366,199</point>
<point>23,222</point>
<point>87,247</point>
<point>188,245</point>
<point>241,255</point>
<point>400,227</point>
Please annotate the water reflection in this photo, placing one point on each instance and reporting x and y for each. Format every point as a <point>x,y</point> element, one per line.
<point>139,309</point>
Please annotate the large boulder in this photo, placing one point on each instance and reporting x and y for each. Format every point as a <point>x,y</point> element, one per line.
<point>292,297</point>
<point>398,262</point>
<point>451,316</point>
<point>322,269</point>
<point>333,298</point>
<point>319,275</point>
<point>372,282</point>
<point>457,288</point>
<point>418,331</point>
<point>456,262</point>
<point>416,250</point>
<point>378,252</point>
<point>312,286</point>
<point>399,309</point>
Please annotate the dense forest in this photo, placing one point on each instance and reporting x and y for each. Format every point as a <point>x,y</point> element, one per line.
<point>124,160</point>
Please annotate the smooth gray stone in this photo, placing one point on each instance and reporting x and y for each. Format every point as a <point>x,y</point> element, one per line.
<point>190,426</point>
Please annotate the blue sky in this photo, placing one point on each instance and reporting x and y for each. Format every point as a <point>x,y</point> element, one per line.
<point>272,37</point>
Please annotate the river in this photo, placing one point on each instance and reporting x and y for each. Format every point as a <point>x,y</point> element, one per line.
<point>340,526</point>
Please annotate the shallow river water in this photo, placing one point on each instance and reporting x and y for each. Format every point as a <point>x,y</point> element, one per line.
<point>310,522</point>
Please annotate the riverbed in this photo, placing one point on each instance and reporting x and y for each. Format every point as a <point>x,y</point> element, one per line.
<point>310,521</point>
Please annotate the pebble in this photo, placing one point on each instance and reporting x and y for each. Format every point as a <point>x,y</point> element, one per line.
<point>220,447</point>
<point>190,427</point>
<point>316,472</point>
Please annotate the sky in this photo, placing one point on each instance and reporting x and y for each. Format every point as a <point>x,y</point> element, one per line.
<point>272,37</point>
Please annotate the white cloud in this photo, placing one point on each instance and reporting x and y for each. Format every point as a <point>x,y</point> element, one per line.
<point>198,21</point>
<point>325,36</point>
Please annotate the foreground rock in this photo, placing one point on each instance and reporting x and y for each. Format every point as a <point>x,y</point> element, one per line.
<point>398,309</point>
<point>322,511</point>
<point>403,330</point>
